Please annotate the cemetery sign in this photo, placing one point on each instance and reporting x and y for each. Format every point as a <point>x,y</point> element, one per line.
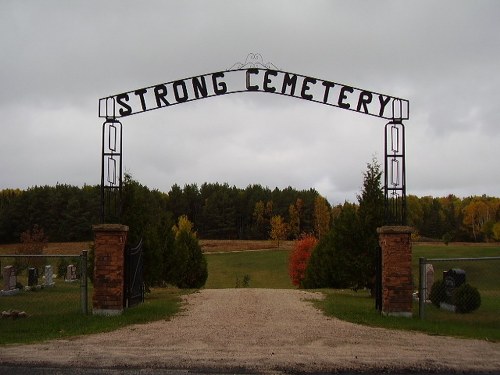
<point>254,76</point>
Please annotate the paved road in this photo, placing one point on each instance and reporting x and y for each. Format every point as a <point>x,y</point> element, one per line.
<point>26,370</point>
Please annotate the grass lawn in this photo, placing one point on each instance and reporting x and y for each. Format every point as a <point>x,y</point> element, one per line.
<point>265,269</point>
<point>55,313</point>
<point>483,323</point>
<point>358,307</point>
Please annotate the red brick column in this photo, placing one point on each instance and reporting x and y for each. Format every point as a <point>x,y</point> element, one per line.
<point>397,284</point>
<point>109,256</point>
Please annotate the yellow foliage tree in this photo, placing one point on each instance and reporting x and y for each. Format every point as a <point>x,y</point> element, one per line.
<point>279,229</point>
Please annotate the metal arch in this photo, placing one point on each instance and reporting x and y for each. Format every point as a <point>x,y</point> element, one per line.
<point>394,161</point>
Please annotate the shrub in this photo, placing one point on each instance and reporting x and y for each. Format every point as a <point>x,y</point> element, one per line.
<point>438,293</point>
<point>466,299</point>
<point>299,258</point>
<point>190,266</point>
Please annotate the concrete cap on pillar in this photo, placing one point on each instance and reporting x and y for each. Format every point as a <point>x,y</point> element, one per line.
<point>395,229</point>
<point>110,228</point>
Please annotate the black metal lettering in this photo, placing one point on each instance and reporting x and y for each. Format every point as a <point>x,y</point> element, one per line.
<point>305,88</point>
<point>267,80</point>
<point>200,87</point>
<point>140,93</point>
<point>365,97</point>
<point>343,96</point>
<point>122,100</point>
<point>383,103</point>
<point>180,98</point>
<point>160,94</point>
<point>289,80</point>
<point>220,88</point>
<point>249,86</point>
<point>328,85</point>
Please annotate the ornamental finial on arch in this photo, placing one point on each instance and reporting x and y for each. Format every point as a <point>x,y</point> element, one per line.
<point>253,60</point>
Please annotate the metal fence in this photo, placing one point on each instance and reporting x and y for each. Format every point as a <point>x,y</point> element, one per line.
<point>460,289</point>
<point>33,284</point>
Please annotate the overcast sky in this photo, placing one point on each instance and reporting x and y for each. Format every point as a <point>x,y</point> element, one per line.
<point>58,58</point>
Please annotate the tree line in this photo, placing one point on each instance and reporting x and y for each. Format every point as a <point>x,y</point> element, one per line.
<point>217,211</point>
<point>221,211</point>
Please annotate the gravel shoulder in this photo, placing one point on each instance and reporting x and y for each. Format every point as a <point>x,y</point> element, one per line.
<point>259,330</point>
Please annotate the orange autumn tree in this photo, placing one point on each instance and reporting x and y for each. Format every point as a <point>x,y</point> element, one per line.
<point>299,258</point>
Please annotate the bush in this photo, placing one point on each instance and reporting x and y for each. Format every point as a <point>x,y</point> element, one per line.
<point>438,293</point>
<point>189,264</point>
<point>300,257</point>
<point>466,299</point>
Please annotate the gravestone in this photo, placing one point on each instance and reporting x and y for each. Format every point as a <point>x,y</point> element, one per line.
<point>429,277</point>
<point>49,276</point>
<point>9,278</point>
<point>71,273</point>
<point>32,276</point>
<point>453,278</point>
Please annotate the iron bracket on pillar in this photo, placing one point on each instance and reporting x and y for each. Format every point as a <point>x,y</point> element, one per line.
<point>111,171</point>
<point>395,173</point>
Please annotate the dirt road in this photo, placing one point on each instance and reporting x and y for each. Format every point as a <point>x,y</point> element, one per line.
<point>264,331</point>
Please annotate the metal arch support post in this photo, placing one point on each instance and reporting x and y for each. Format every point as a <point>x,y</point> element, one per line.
<point>111,170</point>
<point>395,173</point>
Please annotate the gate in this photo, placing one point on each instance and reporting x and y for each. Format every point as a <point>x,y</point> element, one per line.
<point>378,280</point>
<point>134,276</point>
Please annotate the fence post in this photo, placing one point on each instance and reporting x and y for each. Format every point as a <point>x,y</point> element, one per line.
<point>83,282</point>
<point>422,287</point>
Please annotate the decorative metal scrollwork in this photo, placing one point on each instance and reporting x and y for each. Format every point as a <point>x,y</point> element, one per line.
<point>253,60</point>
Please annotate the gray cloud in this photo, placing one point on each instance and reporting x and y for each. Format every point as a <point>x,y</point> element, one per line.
<point>59,58</point>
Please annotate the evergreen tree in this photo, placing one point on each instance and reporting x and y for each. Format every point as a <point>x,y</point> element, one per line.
<point>190,266</point>
<point>346,256</point>
<point>371,216</point>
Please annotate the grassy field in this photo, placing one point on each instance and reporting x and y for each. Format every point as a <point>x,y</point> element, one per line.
<point>264,269</point>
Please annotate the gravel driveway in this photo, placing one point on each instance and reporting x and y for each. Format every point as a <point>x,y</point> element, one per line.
<point>259,330</point>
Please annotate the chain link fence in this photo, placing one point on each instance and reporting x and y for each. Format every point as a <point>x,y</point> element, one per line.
<point>37,284</point>
<point>465,290</point>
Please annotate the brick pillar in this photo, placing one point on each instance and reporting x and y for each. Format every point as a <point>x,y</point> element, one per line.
<point>397,284</point>
<point>109,273</point>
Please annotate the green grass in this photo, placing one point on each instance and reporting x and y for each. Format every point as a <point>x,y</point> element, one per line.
<point>267,269</point>
<point>55,313</point>
<point>358,307</point>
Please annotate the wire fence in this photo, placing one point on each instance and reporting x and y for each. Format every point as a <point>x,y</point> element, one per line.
<point>464,290</point>
<point>37,284</point>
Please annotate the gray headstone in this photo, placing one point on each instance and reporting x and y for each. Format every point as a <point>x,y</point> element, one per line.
<point>71,273</point>
<point>49,276</point>
<point>9,278</point>
<point>429,271</point>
